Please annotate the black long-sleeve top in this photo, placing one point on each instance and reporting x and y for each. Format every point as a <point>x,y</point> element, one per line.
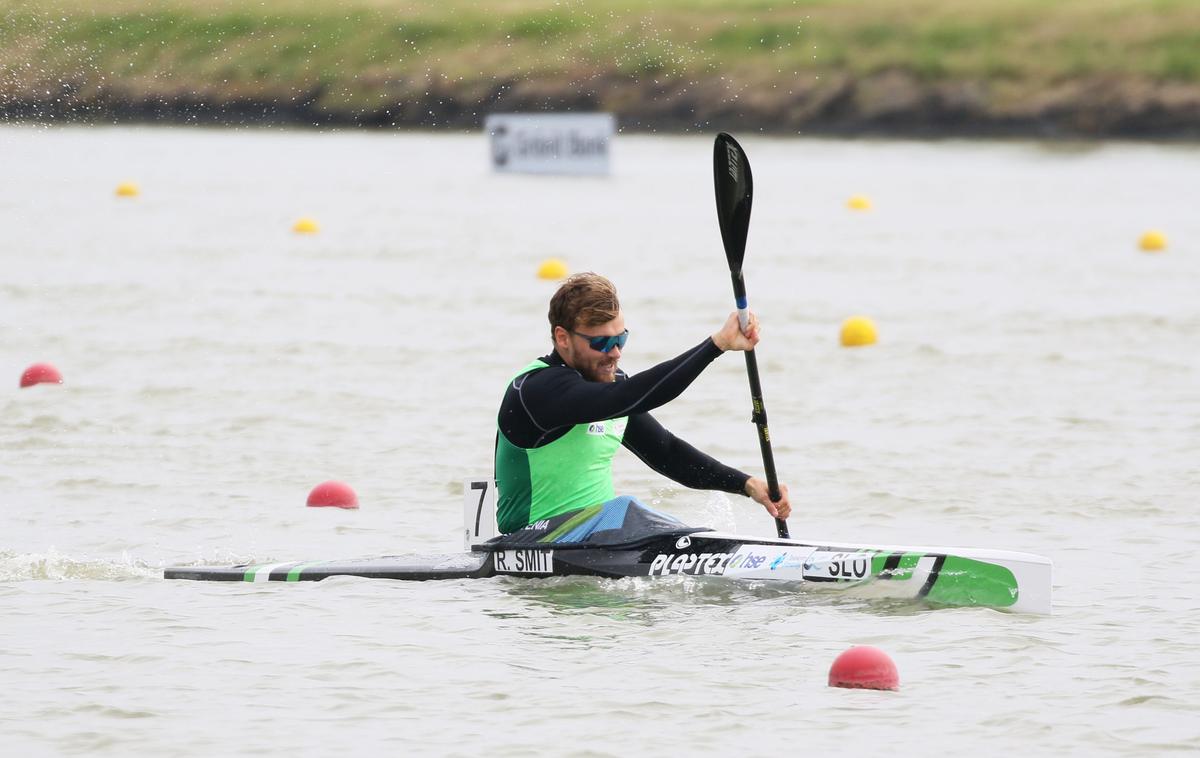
<point>542,406</point>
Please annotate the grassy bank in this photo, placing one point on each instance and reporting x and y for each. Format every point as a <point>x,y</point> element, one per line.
<point>373,61</point>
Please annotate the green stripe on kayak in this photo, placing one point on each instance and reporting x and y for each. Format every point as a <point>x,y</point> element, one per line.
<point>964,581</point>
<point>903,569</point>
<point>571,523</point>
<point>908,564</point>
<point>294,574</point>
<point>253,571</point>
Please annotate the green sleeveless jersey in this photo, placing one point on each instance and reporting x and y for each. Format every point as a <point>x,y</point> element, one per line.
<point>572,472</point>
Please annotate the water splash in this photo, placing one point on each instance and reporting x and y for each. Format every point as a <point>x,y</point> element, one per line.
<point>19,567</point>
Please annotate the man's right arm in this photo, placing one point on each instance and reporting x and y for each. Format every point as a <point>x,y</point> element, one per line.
<point>559,396</point>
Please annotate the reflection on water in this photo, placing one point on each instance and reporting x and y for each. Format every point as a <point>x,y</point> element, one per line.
<point>617,599</point>
<point>646,600</point>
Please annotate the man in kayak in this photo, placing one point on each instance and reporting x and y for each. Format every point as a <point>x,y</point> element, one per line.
<point>564,415</point>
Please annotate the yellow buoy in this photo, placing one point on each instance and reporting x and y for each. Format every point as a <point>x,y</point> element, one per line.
<point>859,203</point>
<point>127,189</point>
<point>1153,241</point>
<point>305,226</point>
<point>552,268</point>
<point>858,331</point>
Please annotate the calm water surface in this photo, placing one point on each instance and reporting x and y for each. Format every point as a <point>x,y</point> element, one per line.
<point>1036,387</point>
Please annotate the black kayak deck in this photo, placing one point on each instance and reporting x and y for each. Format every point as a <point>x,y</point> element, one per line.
<point>411,567</point>
<point>633,558</point>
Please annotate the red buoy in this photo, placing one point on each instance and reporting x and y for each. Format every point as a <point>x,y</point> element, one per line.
<point>864,667</point>
<point>41,373</point>
<point>332,495</point>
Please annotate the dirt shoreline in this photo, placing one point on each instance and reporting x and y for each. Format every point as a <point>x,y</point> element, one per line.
<point>893,103</point>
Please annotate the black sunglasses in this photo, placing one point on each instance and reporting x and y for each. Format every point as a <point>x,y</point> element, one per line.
<point>604,344</point>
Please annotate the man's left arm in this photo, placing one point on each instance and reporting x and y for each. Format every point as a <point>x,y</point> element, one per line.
<point>674,458</point>
<point>677,460</point>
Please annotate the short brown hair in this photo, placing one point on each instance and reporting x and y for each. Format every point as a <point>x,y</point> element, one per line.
<point>585,299</point>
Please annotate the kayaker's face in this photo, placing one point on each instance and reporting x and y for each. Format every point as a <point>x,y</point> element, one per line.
<point>579,354</point>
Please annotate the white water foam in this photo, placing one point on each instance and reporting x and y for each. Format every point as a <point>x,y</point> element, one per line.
<point>53,565</point>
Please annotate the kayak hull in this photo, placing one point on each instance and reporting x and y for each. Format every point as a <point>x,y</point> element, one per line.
<point>962,577</point>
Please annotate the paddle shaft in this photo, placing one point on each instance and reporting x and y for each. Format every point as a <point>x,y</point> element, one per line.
<point>734,185</point>
<point>759,410</point>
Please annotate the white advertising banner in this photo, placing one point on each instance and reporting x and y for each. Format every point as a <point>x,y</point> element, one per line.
<point>550,143</point>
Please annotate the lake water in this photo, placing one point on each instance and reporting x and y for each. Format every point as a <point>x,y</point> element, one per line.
<point>1036,387</point>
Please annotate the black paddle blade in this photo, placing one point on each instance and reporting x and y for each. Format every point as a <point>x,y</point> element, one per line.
<point>735,189</point>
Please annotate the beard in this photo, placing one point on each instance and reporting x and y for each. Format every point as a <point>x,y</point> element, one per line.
<point>605,371</point>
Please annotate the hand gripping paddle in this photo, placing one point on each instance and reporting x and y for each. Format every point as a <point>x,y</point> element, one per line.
<point>735,189</point>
